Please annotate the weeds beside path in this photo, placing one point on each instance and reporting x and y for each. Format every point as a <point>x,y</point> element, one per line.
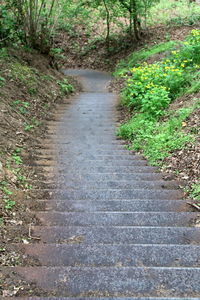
<point>167,134</point>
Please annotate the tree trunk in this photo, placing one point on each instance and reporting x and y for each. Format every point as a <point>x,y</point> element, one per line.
<point>108,26</point>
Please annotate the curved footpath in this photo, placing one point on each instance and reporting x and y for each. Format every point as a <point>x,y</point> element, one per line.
<point>113,227</point>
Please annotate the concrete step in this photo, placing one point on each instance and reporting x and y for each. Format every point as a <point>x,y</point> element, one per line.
<point>99,144</point>
<point>109,194</point>
<point>98,255</point>
<point>98,152</point>
<point>97,163</point>
<point>90,163</point>
<point>103,298</point>
<point>88,177</point>
<point>113,205</point>
<point>115,184</point>
<point>78,169</point>
<point>82,156</point>
<point>113,281</point>
<point>117,235</point>
<point>53,218</point>
<point>112,148</point>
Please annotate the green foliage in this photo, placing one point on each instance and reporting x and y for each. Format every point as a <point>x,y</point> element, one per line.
<point>16,157</point>
<point>182,21</point>
<point>191,48</point>
<point>156,139</point>
<point>35,22</point>
<point>32,125</point>
<point>21,106</point>
<point>2,80</point>
<point>31,22</point>
<point>195,193</point>
<point>110,16</point>
<point>7,25</point>
<point>65,86</point>
<point>3,53</point>
<point>136,58</point>
<point>151,87</point>
<point>194,87</point>
<point>25,74</point>
<point>7,191</point>
<point>8,203</point>
<point>57,53</point>
<point>29,127</point>
<point>149,90</point>
<point>172,12</point>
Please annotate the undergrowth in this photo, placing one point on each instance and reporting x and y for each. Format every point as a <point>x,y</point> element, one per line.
<point>157,139</point>
<point>134,59</point>
<point>26,96</point>
<point>149,90</point>
<point>172,12</point>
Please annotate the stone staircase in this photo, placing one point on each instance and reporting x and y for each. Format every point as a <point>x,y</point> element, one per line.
<point>113,228</point>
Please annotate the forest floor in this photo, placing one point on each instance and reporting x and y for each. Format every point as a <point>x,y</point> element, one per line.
<point>94,55</point>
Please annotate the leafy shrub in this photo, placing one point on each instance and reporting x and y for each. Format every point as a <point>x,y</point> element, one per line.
<point>155,83</point>
<point>7,25</point>
<point>151,87</point>
<point>149,90</point>
<point>65,86</point>
<point>191,48</point>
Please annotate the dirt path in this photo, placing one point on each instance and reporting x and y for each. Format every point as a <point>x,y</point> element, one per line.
<point>113,227</point>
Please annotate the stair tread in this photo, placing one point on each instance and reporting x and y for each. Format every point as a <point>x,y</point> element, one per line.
<point>103,298</point>
<point>113,205</point>
<point>113,281</point>
<point>53,218</point>
<point>110,194</point>
<point>117,234</point>
<point>115,255</point>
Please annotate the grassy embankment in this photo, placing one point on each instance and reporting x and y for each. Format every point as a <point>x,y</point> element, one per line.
<point>163,98</point>
<point>29,90</point>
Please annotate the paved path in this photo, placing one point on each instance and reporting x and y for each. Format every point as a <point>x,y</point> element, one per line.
<point>113,228</point>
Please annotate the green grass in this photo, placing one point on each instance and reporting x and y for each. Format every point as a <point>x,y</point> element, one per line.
<point>138,57</point>
<point>195,193</point>
<point>4,53</point>
<point>157,139</point>
<point>173,12</point>
<point>154,129</point>
<point>194,87</point>
<point>26,75</point>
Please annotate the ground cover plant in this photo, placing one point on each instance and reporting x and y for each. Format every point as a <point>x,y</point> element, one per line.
<point>136,58</point>
<point>174,13</point>
<point>148,93</point>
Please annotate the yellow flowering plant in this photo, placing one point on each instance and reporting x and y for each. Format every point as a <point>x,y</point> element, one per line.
<point>151,87</point>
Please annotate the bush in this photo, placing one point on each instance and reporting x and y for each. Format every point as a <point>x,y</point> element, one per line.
<point>149,91</point>
<point>151,87</point>
<point>7,25</point>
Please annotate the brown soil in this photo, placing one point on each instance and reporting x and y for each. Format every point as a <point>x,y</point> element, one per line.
<point>185,163</point>
<point>94,55</point>
<point>28,80</point>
